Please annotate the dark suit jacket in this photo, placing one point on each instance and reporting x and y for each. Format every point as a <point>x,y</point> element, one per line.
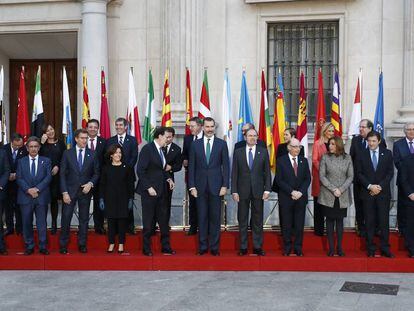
<point>242,144</point>
<point>174,159</point>
<point>283,150</point>
<point>285,180</point>
<point>356,148</point>
<point>407,178</point>
<point>382,176</point>
<point>212,176</point>
<point>256,181</point>
<point>188,140</point>
<point>100,149</point>
<point>41,181</point>
<point>400,151</point>
<point>71,178</point>
<point>129,149</point>
<point>150,171</point>
<point>4,173</point>
<point>21,152</point>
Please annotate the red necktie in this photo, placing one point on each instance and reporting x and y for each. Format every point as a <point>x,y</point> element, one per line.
<point>295,166</point>
<point>92,145</point>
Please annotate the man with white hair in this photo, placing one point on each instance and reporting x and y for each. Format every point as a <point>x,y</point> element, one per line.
<point>403,148</point>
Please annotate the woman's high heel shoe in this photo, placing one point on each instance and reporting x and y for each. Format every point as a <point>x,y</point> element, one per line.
<point>111,248</point>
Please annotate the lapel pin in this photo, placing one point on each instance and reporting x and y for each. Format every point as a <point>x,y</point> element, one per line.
<point>258,152</point>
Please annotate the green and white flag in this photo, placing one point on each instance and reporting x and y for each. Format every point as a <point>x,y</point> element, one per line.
<point>150,114</point>
<point>38,118</point>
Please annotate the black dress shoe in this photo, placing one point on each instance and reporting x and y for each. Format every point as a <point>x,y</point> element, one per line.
<point>299,253</point>
<point>318,233</point>
<point>147,253</point>
<point>9,232</point>
<point>131,231</point>
<point>215,253</point>
<point>330,253</point>
<point>340,253</point>
<point>28,251</point>
<point>242,252</point>
<point>63,250</point>
<point>410,254</point>
<point>259,252</point>
<point>192,231</point>
<point>168,251</point>
<point>53,230</point>
<point>3,251</point>
<point>100,231</point>
<point>387,254</point>
<point>201,252</point>
<point>83,249</point>
<point>286,252</point>
<point>371,254</point>
<point>44,251</point>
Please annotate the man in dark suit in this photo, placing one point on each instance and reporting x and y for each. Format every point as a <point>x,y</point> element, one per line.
<point>4,177</point>
<point>401,149</point>
<point>358,145</point>
<point>208,180</point>
<point>292,181</point>
<point>130,155</point>
<point>250,186</point>
<point>242,144</point>
<point>96,145</point>
<point>153,184</point>
<point>407,189</point>
<point>196,128</point>
<point>14,151</point>
<point>375,170</point>
<point>79,173</point>
<point>33,176</point>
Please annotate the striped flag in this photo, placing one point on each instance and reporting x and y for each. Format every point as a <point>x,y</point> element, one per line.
<point>67,118</point>
<point>245,111</point>
<point>134,127</point>
<point>302,129</point>
<point>166,103</point>
<point>105,128</point>
<point>356,109</point>
<point>150,116</point>
<point>3,126</point>
<point>188,103</point>
<point>279,121</point>
<point>265,132</point>
<point>204,110</point>
<point>226,113</point>
<point>86,115</point>
<point>336,119</point>
<point>38,118</point>
<point>22,123</point>
<point>321,110</point>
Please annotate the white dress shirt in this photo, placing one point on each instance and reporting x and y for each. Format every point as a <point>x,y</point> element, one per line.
<point>95,142</point>
<point>198,136</point>
<point>247,152</point>
<point>211,143</point>
<point>36,163</point>
<point>83,153</point>
<point>158,149</point>
<point>123,138</point>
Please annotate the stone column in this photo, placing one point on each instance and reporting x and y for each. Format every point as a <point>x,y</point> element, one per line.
<point>407,108</point>
<point>94,50</point>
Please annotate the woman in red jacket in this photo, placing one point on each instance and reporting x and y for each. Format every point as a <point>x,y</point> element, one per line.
<point>319,149</point>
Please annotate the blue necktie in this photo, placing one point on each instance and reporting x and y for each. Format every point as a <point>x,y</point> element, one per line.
<point>250,158</point>
<point>14,155</point>
<point>33,168</point>
<point>80,159</point>
<point>374,160</point>
<point>162,157</point>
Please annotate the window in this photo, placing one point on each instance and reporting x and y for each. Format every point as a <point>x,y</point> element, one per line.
<point>296,47</point>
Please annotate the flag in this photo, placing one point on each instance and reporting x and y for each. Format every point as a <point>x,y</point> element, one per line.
<point>188,103</point>
<point>22,123</point>
<point>105,128</point>
<point>356,109</point>
<point>3,127</point>
<point>204,110</point>
<point>379,110</point>
<point>38,118</point>
<point>302,129</point>
<point>279,121</point>
<point>226,113</point>
<point>134,127</point>
<point>67,118</point>
<point>150,117</point>
<point>265,132</point>
<point>166,103</point>
<point>86,115</point>
<point>245,111</point>
<point>336,119</point>
<point>321,109</point>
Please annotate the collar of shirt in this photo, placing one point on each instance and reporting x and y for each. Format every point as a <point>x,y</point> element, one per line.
<point>291,159</point>
<point>157,146</point>
<point>409,141</point>
<point>83,152</point>
<point>123,137</point>
<point>248,149</point>
<point>211,142</point>
<point>12,150</point>
<point>36,158</point>
<point>95,141</point>
<point>372,152</point>
<point>168,147</point>
<point>199,135</point>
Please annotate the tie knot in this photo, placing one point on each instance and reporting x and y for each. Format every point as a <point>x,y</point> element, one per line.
<point>250,149</point>
<point>374,151</point>
<point>33,159</point>
<point>294,159</point>
<point>92,139</point>
<point>80,150</point>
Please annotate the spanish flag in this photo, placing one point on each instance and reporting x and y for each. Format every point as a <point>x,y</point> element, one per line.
<point>85,107</point>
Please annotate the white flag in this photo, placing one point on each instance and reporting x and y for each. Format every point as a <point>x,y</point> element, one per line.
<point>356,108</point>
<point>227,126</point>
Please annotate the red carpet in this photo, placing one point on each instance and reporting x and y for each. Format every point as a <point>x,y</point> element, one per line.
<point>314,248</point>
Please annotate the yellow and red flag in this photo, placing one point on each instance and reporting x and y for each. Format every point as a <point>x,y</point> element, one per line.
<point>85,107</point>
<point>166,104</point>
<point>188,103</point>
<point>302,128</point>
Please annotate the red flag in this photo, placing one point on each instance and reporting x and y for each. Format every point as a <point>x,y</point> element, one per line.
<point>188,104</point>
<point>321,112</point>
<point>302,128</point>
<point>105,129</point>
<point>262,121</point>
<point>22,123</point>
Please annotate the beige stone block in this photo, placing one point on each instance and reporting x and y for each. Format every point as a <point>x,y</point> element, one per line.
<point>132,44</point>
